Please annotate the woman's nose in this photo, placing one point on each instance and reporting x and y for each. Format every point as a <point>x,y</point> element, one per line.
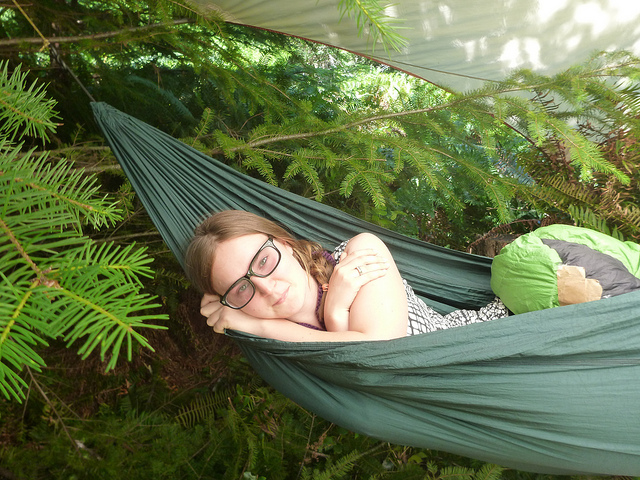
<point>264,285</point>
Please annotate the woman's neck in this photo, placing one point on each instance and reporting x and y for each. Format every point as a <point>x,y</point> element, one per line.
<point>309,313</point>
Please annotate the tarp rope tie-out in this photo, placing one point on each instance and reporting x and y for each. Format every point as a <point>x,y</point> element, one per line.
<point>554,391</point>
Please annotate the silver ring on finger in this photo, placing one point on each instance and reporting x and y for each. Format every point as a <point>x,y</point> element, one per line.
<point>359,269</point>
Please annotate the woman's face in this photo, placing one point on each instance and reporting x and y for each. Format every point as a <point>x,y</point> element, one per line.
<point>285,293</point>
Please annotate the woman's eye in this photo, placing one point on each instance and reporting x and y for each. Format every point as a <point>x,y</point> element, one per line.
<point>262,264</point>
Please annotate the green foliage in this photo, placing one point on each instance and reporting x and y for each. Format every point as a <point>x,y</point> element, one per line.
<point>18,101</point>
<point>55,283</point>
<point>464,150</point>
<point>584,217</point>
<point>253,433</point>
<point>201,408</point>
<point>441,166</point>
<point>370,17</point>
<point>590,172</point>
<point>334,127</point>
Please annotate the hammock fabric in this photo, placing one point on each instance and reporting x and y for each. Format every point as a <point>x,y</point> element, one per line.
<point>555,391</point>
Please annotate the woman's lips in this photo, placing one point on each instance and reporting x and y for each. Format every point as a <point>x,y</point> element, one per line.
<point>282,298</point>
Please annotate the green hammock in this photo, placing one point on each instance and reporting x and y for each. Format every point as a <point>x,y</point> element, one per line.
<point>555,391</point>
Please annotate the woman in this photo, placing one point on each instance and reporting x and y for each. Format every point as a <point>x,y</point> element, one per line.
<point>258,279</point>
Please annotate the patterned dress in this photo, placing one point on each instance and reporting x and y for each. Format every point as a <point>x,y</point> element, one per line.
<point>424,319</point>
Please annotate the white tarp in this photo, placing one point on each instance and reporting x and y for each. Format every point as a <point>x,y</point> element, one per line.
<point>457,43</point>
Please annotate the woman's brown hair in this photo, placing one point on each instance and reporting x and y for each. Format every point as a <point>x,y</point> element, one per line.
<point>228,224</point>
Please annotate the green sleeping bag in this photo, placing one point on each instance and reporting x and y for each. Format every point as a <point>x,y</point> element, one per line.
<point>562,265</point>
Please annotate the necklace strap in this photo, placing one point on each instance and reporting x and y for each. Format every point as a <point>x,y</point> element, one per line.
<point>329,257</point>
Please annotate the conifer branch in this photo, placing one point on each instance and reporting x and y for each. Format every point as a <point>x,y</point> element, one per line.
<point>277,153</point>
<point>18,246</point>
<point>370,15</point>
<point>19,307</point>
<point>55,195</point>
<point>80,290</point>
<point>385,116</point>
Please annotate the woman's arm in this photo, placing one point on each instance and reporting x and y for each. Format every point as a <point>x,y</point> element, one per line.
<point>349,276</point>
<point>221,318</point>
<point>374,303</point>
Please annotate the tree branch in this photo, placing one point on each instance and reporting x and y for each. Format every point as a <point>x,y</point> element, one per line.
<point>304,135</point>
<point>23,253</point>
<point>96,36</point>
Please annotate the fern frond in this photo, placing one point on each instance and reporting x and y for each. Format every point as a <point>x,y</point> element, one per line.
<point>456,473</point>
<point>201,407</point>
<point>552,185</point>
<point>337,470</point>
<point>178,280</point>
<point>585,217</point>
<point>489,472</point>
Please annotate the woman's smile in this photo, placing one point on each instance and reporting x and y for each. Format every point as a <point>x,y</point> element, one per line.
<point>282,298</point>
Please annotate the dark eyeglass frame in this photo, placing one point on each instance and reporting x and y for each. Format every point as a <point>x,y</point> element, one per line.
<point>251,273</point>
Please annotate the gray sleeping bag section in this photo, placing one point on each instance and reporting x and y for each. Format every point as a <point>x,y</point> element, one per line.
<point>613,276</point>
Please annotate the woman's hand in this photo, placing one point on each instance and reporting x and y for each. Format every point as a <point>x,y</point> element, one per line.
<point>220,317</point>
<point>211,308</point>
<point>355,270</point>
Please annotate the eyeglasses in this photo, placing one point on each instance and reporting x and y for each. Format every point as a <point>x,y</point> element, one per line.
<point>263,264</point>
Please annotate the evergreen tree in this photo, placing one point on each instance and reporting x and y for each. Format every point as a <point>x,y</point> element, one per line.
<point>325,124</point>
<point>55,282</point>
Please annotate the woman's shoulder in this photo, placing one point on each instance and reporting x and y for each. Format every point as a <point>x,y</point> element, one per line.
<point>359,242</point>
<point>364,240</point>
